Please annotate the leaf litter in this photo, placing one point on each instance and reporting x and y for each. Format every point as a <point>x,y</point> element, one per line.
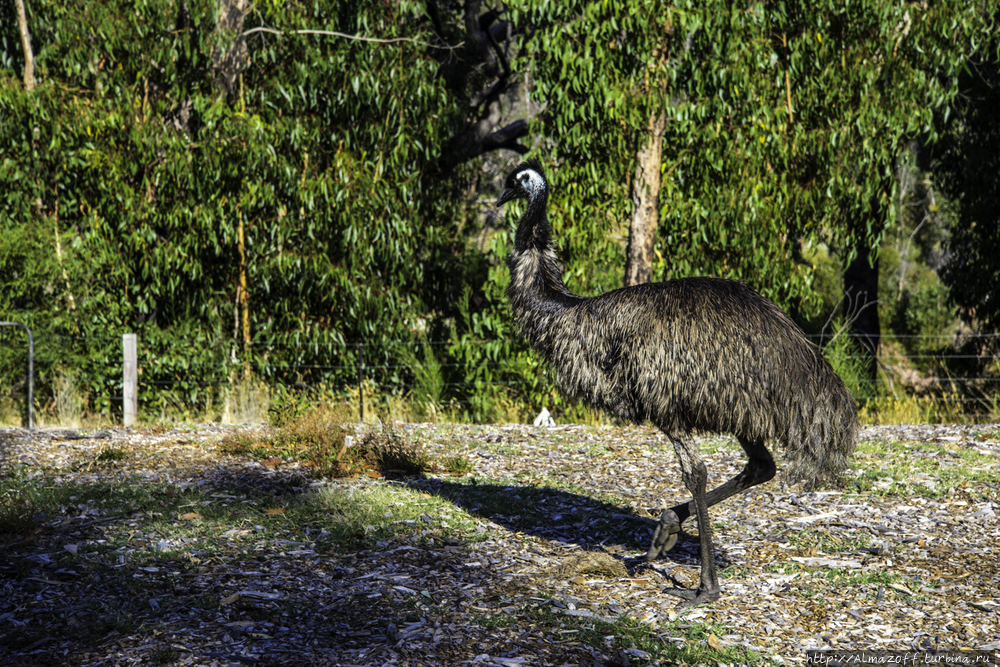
<point>549,521</point>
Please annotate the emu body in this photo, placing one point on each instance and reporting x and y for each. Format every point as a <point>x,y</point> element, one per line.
<point>696,353</point>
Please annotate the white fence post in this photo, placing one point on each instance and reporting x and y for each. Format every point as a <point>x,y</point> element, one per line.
<point>130,383</point>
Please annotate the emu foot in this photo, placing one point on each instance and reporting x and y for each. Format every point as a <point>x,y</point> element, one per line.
<point>665,535</point>
<point>692,597</point>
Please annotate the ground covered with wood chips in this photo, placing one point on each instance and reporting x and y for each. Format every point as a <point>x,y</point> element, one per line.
<point>524,560</point>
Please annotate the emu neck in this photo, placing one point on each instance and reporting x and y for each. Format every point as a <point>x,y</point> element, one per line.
<point>534,231</point>
<point>536,289</point>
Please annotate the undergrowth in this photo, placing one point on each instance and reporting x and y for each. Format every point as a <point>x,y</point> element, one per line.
<point>324,441</point>
<point>251,402</point>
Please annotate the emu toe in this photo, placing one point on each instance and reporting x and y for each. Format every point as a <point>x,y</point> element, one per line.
<point>693,597</point>
<point>665,535</point>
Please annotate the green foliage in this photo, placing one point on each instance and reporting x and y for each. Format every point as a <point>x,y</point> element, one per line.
<point>150,174</point>
<point>844,354</point>
<point>784,124</point>
<point>428,378</point>
<point>142,192</point>
<point>925,316</point>
<point>323,158</point>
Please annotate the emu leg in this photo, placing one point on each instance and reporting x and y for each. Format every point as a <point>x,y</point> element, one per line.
<point>759,469</point>
<point>695,477</point>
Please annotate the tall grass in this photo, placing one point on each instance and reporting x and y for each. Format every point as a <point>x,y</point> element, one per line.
<point>845,356</point>
<point>11,413</point>
<point>68,400</point>
<point>877,406</point>
<point>247,401</point>
<point>428,379</point>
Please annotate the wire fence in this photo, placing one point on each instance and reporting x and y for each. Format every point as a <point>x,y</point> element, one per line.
<point>961,369</point>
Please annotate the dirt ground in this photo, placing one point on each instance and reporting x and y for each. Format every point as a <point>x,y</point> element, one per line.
<point>851,569</point>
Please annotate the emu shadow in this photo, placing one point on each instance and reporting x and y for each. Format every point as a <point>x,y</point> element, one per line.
<point>561,516</point>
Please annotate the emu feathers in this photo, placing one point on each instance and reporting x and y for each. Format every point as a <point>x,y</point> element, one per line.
<point>696,353</point>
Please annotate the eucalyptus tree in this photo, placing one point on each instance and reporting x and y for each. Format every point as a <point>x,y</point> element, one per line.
<point>243,185</point>
<point>782,124</point>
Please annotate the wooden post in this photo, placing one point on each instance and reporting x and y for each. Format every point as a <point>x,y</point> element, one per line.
<point>130,383</point>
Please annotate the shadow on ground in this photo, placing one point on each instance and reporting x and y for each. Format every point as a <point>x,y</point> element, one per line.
<point>101,588</point>
<point>562,516</point>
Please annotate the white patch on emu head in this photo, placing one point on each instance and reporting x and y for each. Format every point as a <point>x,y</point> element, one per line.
<point>532,182</point>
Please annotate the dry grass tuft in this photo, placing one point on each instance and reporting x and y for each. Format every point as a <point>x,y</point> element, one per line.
<point>246,401</point>
<point>323,439</point>
<point>948,409</point>
<point>595,563</point>
<point>383,447</point>
<point>317,438</point>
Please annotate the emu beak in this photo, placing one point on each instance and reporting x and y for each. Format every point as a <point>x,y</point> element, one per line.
<point>507,195</point>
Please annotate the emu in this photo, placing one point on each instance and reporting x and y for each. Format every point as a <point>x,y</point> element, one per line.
<point>695,353</point>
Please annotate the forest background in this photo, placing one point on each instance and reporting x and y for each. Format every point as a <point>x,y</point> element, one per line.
<point>294,200</point>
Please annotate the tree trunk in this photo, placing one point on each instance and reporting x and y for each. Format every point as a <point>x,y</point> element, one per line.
<point>645,199</point>
<point>229,56</point>
<point>70,301</point>
<point>244,300</point>
<point>29,57</point>
<point>861,304</point>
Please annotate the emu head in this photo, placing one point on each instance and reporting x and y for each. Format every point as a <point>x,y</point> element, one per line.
<point>527,181</point>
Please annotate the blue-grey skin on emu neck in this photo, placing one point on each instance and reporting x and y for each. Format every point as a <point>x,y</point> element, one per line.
<point>696,353</point>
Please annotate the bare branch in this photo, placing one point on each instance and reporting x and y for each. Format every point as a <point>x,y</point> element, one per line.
<point>481,129</point>
<point>507,137</point>
<point>333,33</point>
<point>488,93</point>
<point>503,29</point>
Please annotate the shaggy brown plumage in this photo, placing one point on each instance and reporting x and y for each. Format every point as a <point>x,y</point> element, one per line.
<point>696,353</point>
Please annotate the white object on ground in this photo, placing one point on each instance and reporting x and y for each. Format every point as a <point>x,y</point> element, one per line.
<point>544,418</point>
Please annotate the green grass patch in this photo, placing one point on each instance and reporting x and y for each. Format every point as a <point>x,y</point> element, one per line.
<point>854,579</point>
<point>356,517</point>
<point>822,540</point>
<point>456,464</point>
<point>678,642</point>
<point>113,455</point>
<point>894,468</point>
